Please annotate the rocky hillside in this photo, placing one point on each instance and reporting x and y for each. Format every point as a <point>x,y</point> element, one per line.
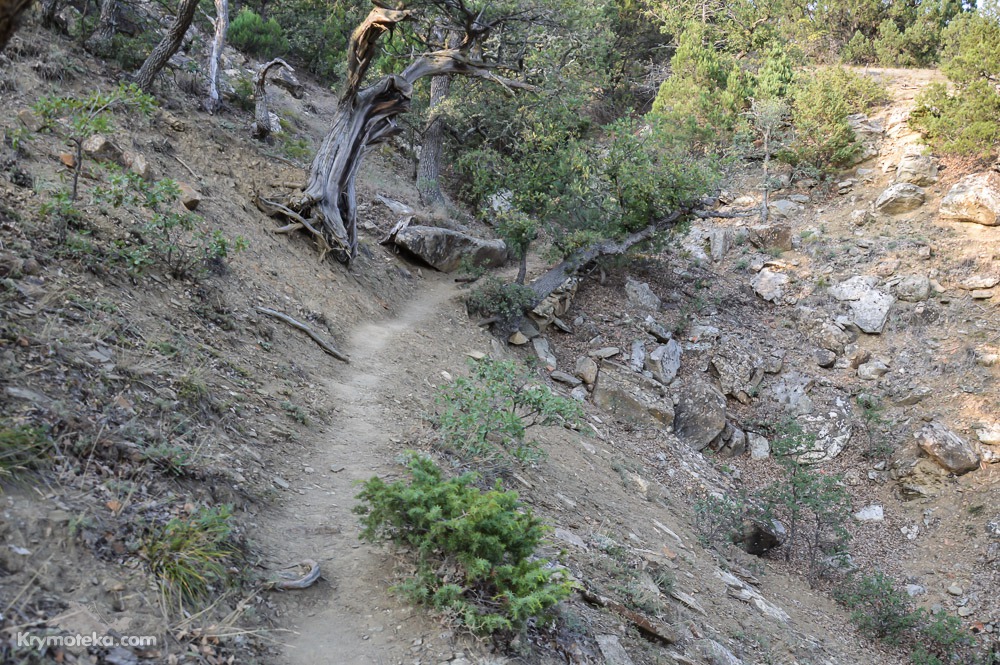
<point>148,404</point>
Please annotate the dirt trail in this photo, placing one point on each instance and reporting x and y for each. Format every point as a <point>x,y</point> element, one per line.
<point>350,616</point>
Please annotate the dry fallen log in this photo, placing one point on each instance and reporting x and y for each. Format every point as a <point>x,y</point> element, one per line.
<point>323,344</point>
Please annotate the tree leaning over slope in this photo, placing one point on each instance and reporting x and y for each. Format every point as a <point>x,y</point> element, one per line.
<point>366,116</point>
<point>168,45</point>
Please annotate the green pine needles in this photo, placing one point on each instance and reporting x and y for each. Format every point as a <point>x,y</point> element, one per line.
<point>475,550</point>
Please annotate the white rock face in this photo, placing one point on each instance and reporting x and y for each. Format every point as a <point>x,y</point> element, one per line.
<point>974,198</point>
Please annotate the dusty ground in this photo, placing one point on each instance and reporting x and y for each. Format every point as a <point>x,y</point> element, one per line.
<point>283,432</point>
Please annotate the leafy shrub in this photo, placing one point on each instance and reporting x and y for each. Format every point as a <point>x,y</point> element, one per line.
<point>878,607</point>
<point>965,122</point>
<point>719,518</point>
<point>318,32</point>
<point>821,103</point>
<point>493,297</point>
<point>487,415</point>
<point>188,555</point>
<point>475,549</point>
<point>251,33</point>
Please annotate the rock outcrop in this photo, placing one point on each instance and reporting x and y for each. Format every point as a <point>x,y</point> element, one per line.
<point>445,249</point>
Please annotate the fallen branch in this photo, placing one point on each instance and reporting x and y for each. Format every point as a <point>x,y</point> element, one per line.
<point>290,582</point>
<point>647,625</point>
<point>719,214</point>
<point>307,330</point>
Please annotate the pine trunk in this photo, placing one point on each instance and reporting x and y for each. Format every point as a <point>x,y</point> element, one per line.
<point>169,45</point>
<point>429,167</point>
<point>221,27</point>
<point>107,25</point>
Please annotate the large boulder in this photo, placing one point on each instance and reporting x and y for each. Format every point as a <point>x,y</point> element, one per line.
<point>772,236</point>
<point>445,249</point>
<point>770,284</point>
<point>913,288</point>
<point>974,198</point>
<point>632,397</point>
<point>947,448</point>
<point>700,413</point>
<point>869,306</point>
<point>641,296</point>
<point>899,198</point>
<point>921,170</point>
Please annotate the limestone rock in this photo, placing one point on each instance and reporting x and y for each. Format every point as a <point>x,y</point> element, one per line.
<point>872,513</point>
<point>641,296</point>
<point>637,358</point>
<point>899,198</point>
<point>760,447</point>
<point>947,448</point>
<point>544,352</point>
<point>190,197</point>
<point>665,361</point>
<point>974,198</point>
<point>100,147</point>
<point>830,431</point>
<point>872,370</point>
<point>853,288</point>
<point>612,650</point>
<point>869,306</point>
<point>632,397</point>
<point>977,282</point>
<point>913,288</point>
<point>783,208</point>
<point>586,369</point>
<point>700,414</point>
<point>29,120</point>
<point>720,241</point>
<point>738,369</point>
<point>446,250</point>
<point>563,377</point>
<point>792,392</point>
<point>713,653</point>
<point>825,358</point>
<point>769,284</point>
<point>921,170</point>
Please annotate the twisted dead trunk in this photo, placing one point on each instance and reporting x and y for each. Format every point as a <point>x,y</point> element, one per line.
<point>262,113</point>
<point>169,45</point>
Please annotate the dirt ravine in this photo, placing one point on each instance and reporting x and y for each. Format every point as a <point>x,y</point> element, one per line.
<point>350,616</point>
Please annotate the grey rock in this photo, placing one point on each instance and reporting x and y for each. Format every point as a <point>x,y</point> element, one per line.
<point>612,650</point>
<point>955,590</point>
<point>700,413</point>
<point>738,369</point>
<point>792,392</point>
<point>665,361</point>
<point>586,369</point>
<point>281,482</point>
<point>783,208</point>
<point>100,147</point>
<point>654,328</point>
<point>948,449</point>
<point>856,356</point>
<point>759,537</point>
<point>825,358</point>
<point>871,311</point>
<point>632,397</point>
<point>899,198</point>
<point>798,198</point>
<point>974,198</point>
<point>989,434</point>
<point>641,296</point>
<point>914,590</point>
<point>568,536</point>
<point>760,447</point>
<point>637,359</point>
<point>714,653</point>
<point>190,197</point>
<point>853,288</point>
<point>445,249</point>
<point>913,288</point>
<point>770,236</point>
<point>544,352</point>
<point>872,513</point>
<point>921,170</point>
<point>720,241</point>
<point>563,377</point>
<point>981,294</point>
<point>769,284</point>
<point>736,445</point>
<point>830,431</point>
<point>606,352</point>
<point>579,394</point>
<point>872,370</point>
<point>976,282</point>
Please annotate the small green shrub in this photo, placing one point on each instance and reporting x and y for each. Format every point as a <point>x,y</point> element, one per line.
<point>880,610</point>
<point>475,550</point>
<point>719,518</point>
<point>169,457</point>
<point>22,447</point>
<point>487,415</point>
<point>492,297</point>
<point>188,555</point>
<point>251,33</point>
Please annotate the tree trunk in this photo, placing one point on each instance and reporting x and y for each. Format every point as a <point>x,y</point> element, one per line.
<point>10,10</point>
<point>107,25</point>
<point>49,10</point>
<point>429,166</point>
<point>262,114</point>
<point>221,27</point>
<point>167,46</point>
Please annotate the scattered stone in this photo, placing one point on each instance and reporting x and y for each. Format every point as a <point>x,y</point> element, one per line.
<point>100,147</point>
<point>563,377</point>
<point>798,198</point>
<point>569,537</point>
<point>760,447</point>
<point>955,590</point>
<point>856,356</point>
<point>980,282</point>
<point>544,353</point>
<point>853,288</point>
<point>641,296</point>
<point>987,356</point>
<point>872,370</point>
<point>792,392</point>
<point>919,170</point>
<point>67,160</point>
<point>914,590</point>
<point>966,611</point>
<point>518,338</point>
<point>700,413</point>
<point>783,208</point>
<point>586,369</point>
<point>659,333</point>
<point>446,250</point>
<point>190,197</point>
<point>612,650</point>
<point>579,394</point>
<point>739,371</point>
<point>281,482</point>
<point>989,434</point>
<point>606,352</point>
<point>637,359</point>
<point>29,120</point>
<point>862,217</point>
<point>632,397</point>
<point>869,306</point>
<point>974,198</point>
<point>830,430</point>
<point>713,653</point>
<point>947,448</point>
<point>825,358</point>
<point>772,236</point>
<point>913,288</point>
<point>665,361</point>
<point>899,198</point>
<point>982,294</point>
<point>872,513</point>
<point>769,284</point>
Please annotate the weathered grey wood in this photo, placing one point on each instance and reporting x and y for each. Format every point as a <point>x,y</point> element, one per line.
<point>262,114</point>
<point>214,101</point>
<point>323,344</point>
